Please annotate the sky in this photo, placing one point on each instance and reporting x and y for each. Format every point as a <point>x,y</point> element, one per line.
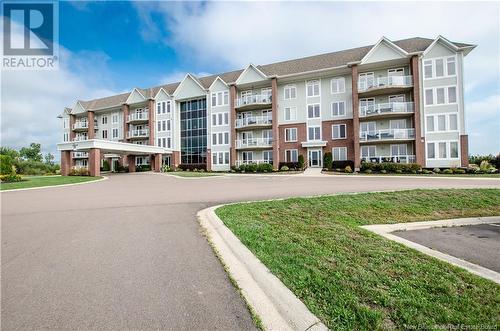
<point>110,47</point>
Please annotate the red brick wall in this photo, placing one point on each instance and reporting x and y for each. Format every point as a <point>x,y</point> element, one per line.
<point>301,136</point>
<point>276,132</point>
<point>232,120</point>
<point>131,163</point>
<point>209,159</point>
<point>419,145</point>
<point>71,132</point>
<point>347,142</point>
<point>95,162</point>
<point>66,162</point>
<point>464,150</point>
<point>90,119</point>
<point>125,109</point>
<point>355,112</point>
<point>151,122</point>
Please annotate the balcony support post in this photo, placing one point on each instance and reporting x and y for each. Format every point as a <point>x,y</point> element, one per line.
<point>151,122</point>
<point>125,109</point>
<point>71,124</point>
<point>232,120</point>
<point>95,162</point>
<point>419,143</point>
<point>274,110</point>
<point>66,163</point>
<point>131,163</point>
<point>355,117</point>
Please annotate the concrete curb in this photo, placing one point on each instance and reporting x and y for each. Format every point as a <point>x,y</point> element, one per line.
<point>361,175</point>
<point>277,307</point>
<point>386,230</point>
<point>52,186</point>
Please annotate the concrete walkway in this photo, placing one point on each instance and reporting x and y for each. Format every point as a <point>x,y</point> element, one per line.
<point>127,253</point>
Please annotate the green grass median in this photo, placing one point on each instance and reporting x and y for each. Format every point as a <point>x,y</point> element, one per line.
<point>353,279</point>
<point>41,181</point>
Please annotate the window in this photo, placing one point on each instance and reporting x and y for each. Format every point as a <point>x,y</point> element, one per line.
<point>291,155</point>
<point>66,137</point>
<point>290,113</point>
<point>221,138</point>
<point>159,126</point>
<point>440,96</point>
<point>214,119</point>
<point>428,69</point>
<point>439,68</point>
<point>220,98</point>
<point>338,131</point>
<point>214,138</point>
<point>168,107</point>
<point>398,150</point>
<point>314,133</point>
<point>442,150</point>
<point>339,153</point>
<point>313,111</point>
<point>219,116</point>
<point>290,92</point>
<point>114,118</point>
<point>450,66</point>
<point>429,97</point>
<point>453,119</point>
<point>431,152</point>
<point>158,108</point>
<point>368,126</point>
<point>368,151</point>
<point>290,134</point>
<point>441,123</point>
<point>220,119</point>
<point>312,88</point>
<point>337,85</point>
<point>338,108</point>
<point>452,94</point>
<point>159,142</point>
<point>226,118</point>
<point>397,124</point>
<point>454,149</point>
<point>104,134</point>
<point>214,103</point>
<point>169,142</point>
<point>168,125</point>
<point>267,156</point>
<point>164,125</point>
<point>115,133</point>
<point>226,138</point>
<point>430,123</point>
<point>104,119</point>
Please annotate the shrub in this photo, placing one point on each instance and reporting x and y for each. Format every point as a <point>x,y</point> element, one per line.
<point>328,160</point>
<point>383,171</point>
<point>300,162</point>
<point>348,170</point>
<point>195,170</point>
<point>290,165</point>
<point>391,167</point>
<point>343,164</point>
<point>485,166</point>
<point>9,178</point>
<point>6,164</point>
<point>478,159</point>
<point>189,167</point>
<point>436,170</point>
<point>447,171</point>
<point>264,167</point>
<point>399,171</point>
<point>284,168</point>
<point>143,167</point>
<point>165,168</point>
<point>426,172</point>
<point>26,167</point>
<point>79,172</point>
<point>368,171</point>
<point>460,171</point>
<point>105,165</point>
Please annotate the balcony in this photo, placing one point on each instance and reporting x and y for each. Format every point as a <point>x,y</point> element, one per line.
<point>254,122</point>
<point>371,86</point>
<point>80,155</point>
<point>138,134</point>
<point>395,159</point>
<point>240,162</point>
<point>80,138</point>
<point>253,143</point>
<point>389,109</point>
<point>138,117</point>
<point>386,135</point>
<point>82,126</point>
<point>254,101</point>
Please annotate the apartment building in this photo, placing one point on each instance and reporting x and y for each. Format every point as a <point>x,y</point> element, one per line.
<point>394,101</point>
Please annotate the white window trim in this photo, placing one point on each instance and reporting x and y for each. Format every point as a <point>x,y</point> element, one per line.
<point>333,154</point>
<point>307,110</point>
<point>390,148</point>
<point>319,88</point>
<point>222,104</point>
<point>289,86</point>
<point>446,96</point>
<point>368,147</point>
<point>292,110</point>
<point>345,131</point>
<point>445,67</point>
<point>290,150</point>
<point>339,102</point>
<point>448,150</point>
<point>447,122</point>
<point>296,133</point>
<point>320,133</point>
<point>331,85</point>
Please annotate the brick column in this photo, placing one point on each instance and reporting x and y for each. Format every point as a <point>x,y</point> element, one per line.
<point>66,163</point>
<point>72,121</point>
<point>464,150</point>
<point>355,117</point>
<point>125,109</point>
<point>419,146</point>
<point>276,134</point>
<point>95,162</point>
<point>90,120</point>
<point>175,159</point>
<point>232,120</point>
<point>131,163</point>
<point>209,160</point>
<point>151,121</point>
<point>156,162</point>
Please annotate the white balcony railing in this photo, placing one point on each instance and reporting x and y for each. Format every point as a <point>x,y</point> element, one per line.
<point>142,116</point>
<point>240,162</point>
<point>80,155</point>
<point>385,108</point>
<point>367,83</point>
<point>254,120</point>
<point>396,159</point>
<point>254,142</point>
<point>80,125</point>
<point>80,138</point>
<point>142,133</point>
<point>254,99</point>
<point>389,134</point>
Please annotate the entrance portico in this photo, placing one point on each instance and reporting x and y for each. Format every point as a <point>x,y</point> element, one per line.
<point>96,147</point>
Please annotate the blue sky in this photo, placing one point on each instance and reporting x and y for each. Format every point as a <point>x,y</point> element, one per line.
<point>109,47</point>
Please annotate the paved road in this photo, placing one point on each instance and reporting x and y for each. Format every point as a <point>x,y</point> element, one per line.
<point>127,253</point>
<point>478,244</point>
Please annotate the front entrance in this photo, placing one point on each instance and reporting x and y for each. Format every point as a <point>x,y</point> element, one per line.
<point>315,158</point>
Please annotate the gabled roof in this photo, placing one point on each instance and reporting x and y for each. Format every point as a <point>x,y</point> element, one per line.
<point>217,79</point>
<point>284,68</point>
<point>251,66</point>
<point>188,76</point>
<point>384,41</point>
<point>137,93</point>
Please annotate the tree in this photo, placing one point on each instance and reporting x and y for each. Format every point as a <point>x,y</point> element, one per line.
<point>10,152</point>
<point>32,153</point>
<point>49,158</point>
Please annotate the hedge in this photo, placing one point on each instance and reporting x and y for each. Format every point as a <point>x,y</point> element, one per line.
<point>342,164</point>
<point>193,166</point>
<point>5,165</point>
<point>254,167</point>
<point>290,165</point>
<point>391,167</point>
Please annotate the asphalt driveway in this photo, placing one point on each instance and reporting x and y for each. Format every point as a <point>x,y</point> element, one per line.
<point>127,253</point>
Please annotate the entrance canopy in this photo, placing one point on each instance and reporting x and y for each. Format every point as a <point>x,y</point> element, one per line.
<point>111,147</point>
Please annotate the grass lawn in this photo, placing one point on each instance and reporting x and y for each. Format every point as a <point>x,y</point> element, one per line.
<point>497,175</point>
<point>193,174</point>
<point>39,181</point>
<point>353,279</point>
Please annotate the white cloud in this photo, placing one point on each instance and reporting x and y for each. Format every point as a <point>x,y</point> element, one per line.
<point>178,76</point>
<point>229,35</point>
<point>483,124</point>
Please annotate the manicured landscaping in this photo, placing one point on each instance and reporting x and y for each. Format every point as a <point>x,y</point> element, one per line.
<point>39,181</point>
<point>193,174</point>
<point>353,279</point>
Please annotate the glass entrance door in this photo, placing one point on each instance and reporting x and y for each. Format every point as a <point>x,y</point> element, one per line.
<point>315,160</point>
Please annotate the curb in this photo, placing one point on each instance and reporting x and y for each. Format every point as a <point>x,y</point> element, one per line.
<point>385,230</point>
<point>52,186</point>
<point>277,307</point>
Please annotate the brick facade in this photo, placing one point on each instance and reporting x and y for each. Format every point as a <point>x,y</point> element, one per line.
<point>232,120</point>
<point>276,132</point>
<point>419,145</point>
<point>355,117</point>
<point>90,120</point>
<point>464,150</point>
<point>301,136</point>
<point>95,162</point>
<point>347,142</point>
<point>66,163</point>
